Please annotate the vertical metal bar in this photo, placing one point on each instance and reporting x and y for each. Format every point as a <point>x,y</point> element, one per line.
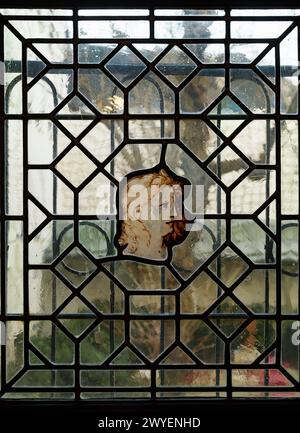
<point>55,248</point>
<point>298,41</point>
<point>218,243</point>
<point>268,241</point>
<point>2,210</point>
<point>76,201</point>
<point>228,195</point>
<point>112,265</point>
<point>25,206</point>
<point>278,204</point>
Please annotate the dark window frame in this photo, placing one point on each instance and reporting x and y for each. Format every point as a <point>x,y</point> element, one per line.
<point>150,407</point>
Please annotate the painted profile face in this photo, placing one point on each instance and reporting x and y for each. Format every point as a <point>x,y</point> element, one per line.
<point>152,215</point>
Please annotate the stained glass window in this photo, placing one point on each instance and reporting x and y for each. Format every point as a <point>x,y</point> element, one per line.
<point>110,119</point>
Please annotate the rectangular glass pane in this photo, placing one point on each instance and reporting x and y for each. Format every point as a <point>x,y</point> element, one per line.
<point>114,29</point>
<point>14,167</point>
<point>113,12</point>
<point>289,167</point>
<point>15,267</point>
<point>193,12</point>
<point>189,29</point>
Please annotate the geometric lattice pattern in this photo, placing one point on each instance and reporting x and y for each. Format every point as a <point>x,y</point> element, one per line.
<point>212,97</point>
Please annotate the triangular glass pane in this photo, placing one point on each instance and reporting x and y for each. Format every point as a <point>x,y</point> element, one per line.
<point>267,65</point>
<point>208,53</point>
<point>75,166</point>
<point>245,53</point>
<point>269,359</point>
<point>75,127</point>
<point>126,357</point>
<point>56,53</point>
<point>227,107</point>
<point>177,356</point>
<point>76,267</point>
<point>150,51</point>
<point>75,105</point>
<point>268,216</point>
<point>228,326</point>
<point>176,66</point>
<point>226,126</point>
<point>125,66</point>
<point>76,306</point>
<point>36,216</point>
<point>223,166</point>
<point>94,53</point>
<point>34,360</point>
<point>225,263</point>
<point>76,326</point>
<point>228,306</point>
<point>34,65</point>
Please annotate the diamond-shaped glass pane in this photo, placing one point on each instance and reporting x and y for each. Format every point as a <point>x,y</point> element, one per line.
<point>176,66</point>
<point>227,106</point>
<point>76,325</point>
<point>228,326</point>
<point>75,166</point>
<point>76,267</point>
<point>228,166</point>
<point>75,105</point>
<point>150,51</point>
<point>233,320</point>
<point>125,66</point>
<point>228,266</point>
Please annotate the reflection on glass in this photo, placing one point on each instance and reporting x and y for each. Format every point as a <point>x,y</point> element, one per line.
<point>15,267</point>
<point>201,91</point>
<point>257,141</point>
<point>12,78</point>
<point>176,66</point>
<point>253,241</point>
<point>114,29</point>
<point>289,266</point>
<point>252,342</point>
<point>208,53</point>
<point>252,191</point>
<point>258,29</point>
<point>289,72</point>
<point>100,91</point>
<point>258,291</point>
<point>113,12</point>
<point>289,167</point>
<point>139,128</point>
<point>201,341</point>
<point>98,346</point>
<point>41,335</point>
<point>193,12</point>
<point>245,52</point>
<point>44,29</point>
<point>42,250</point>
<point>150,343</point>
<point>189,29</point>
<point>94,53</point>
<point>135,156</point>
<point>41,98</point>
<point>151,96</point>
<point>254,93</point>
<point>14,167</point>
<point>56,53</point>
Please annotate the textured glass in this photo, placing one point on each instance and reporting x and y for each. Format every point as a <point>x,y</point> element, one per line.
<point>149,206</point>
